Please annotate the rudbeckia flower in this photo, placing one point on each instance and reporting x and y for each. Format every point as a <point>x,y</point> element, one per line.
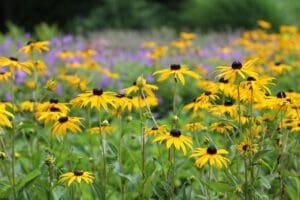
<point>246,146</point>
<point>46,106</point>
<point>14,64</point>
<point>4,114</point>
<point>228,108</point>
<point>141,84</point>
<point>238,69</point>
<point>141,102</point>
<point>103,128</point>
<point>194,126</point>
<point>176,71</point>
<point>212,156</point>
<point>95,98</point>
<point>50,115</point>
<point>123,102</point>
<point>27,106</point>
<point>66,124</point>
<point>77,176</point>
<point>156,130</point>
<point>38,46</point>
<point>175,138</point>
<point>5,76</point>
<point>221,127</point>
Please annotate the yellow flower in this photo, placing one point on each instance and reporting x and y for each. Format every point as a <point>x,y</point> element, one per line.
<point>194,126</point>
<point>246,147</point>
<point>141,102</point>
<point>176,71</point>
<point>46,106</point>
<point>14,64</point>
<point>4,114</point>
<point>38,46</point>
<point>105,127</point>
<point>141,84</point>
<point>264,24</point>
<point>237,68</point>
<point>27,106</point>
<point>149,44</point>
<point>221,127</point>
<point>66,124</point>
<point>95,98</point>
<point>175,138</point>
<point>5,76</point>
<point>228,108</point>
<point>156,130</point>
<point>51,85</point>
<point>123,102</point>
<point>187,36</point>
<point>211,155</point>
<point>77,176</point>
<point>50,115</point>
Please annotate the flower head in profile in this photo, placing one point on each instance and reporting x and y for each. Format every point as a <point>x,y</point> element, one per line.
<point>238,69</point>
<point>96,98</point>
<point>103,128</point>
<point>156,130</point>
<point>35,46</point>
<point>221,127</point>
<point>77,176</point>
<point>14,64</point>
<point>211,156</point>
<point>66,124</point>
<point>176,71</point>
<point>175,138</point>
<point>5,76</point>
<point>4,116</point>
<point>141,85</point>
<point>264,24</point>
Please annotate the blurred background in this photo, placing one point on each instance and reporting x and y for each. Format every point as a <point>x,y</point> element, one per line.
<point>78,16</point>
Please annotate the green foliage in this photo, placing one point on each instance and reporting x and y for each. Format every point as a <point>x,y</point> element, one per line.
<point>220,14</point>
<point>44,31</point>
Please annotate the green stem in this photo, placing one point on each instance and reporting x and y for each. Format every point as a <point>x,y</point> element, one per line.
<point>142,144</point>
<point>103,157</point>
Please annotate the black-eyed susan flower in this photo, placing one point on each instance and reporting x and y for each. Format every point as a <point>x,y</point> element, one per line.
<point>66,124</point>
<point>141,84</point>
<point>95,98</point>
<point>14,64</point>
<point>5,76</point>
<point>211,156</point>
<point>279,68</point>
<point>50,115</point>
<point>103,128</point>
<point>27,106</point>
<point>77,176</point>
<point>51,85</point>
<point>221,127</point>
<point>38,46</point>
<point>194,126</point>
<point>46,106</point>
<point>176,71</point>
<point>156,130</point>
<point>175,138</point>
<point>264,24</point>
<point>238,69</point>
<point>123,102</point>
<point>246,146</point>
<point>4,117</point>
<point>228,108</point>
<point>143,101</point>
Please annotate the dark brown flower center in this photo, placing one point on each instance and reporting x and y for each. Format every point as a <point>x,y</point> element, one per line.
<point>223,80</point>
<point>54,109</point>
<point>281,95</point>
<point>211,150</point>
<point>55,101</point>
<point>207,93</point>
<point>228,103</point>
<point>154,128</point>
<point>245,147</point>
<point>2,73</point>
<point>63,119</point>
<point>97,92</point>
<point>29,42</point>
<point>13,58</point>
<point>277,63</point>
<point>250,78</point>
<point>120,95</point>
<point>78,173</point>
<point>175,67</point>
<point>175,133</point>
<point>236,65</point>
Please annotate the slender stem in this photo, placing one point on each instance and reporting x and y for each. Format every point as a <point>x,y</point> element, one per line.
<point>246,177</point>
<point>120,157</point>
<point>252,141</point>
<point>103,157</point>
<point>142,144</point>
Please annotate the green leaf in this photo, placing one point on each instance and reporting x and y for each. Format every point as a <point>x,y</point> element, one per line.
<point>265,182</point>
<point>219,186</point>
<point>28,179</point>
<point>259,154</point>
<point>5,189</point>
